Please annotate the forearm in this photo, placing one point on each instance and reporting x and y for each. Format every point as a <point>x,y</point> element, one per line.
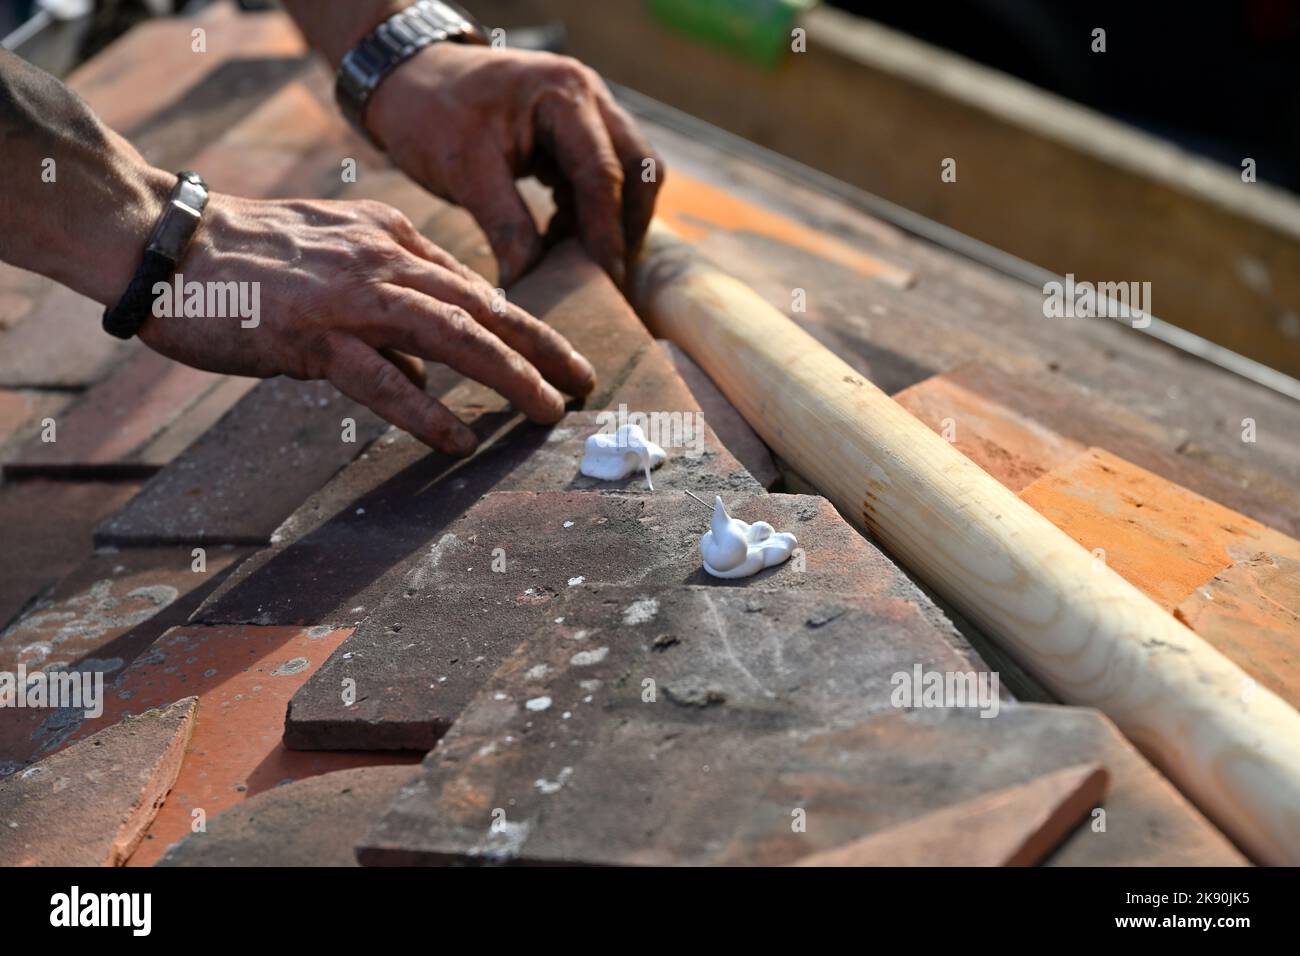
<point>77,202</point>
<point>333,26</point>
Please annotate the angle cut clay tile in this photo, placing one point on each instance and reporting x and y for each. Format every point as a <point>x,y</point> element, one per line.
<point>1014,826</point>
<point>312,822</point>
<point>89,805</point>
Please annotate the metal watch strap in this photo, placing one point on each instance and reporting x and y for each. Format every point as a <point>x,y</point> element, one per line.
<point>391,44</point>
<point>166,247</point>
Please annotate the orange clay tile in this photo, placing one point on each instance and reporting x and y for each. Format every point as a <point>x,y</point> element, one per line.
<point>1251,612</point>
<point>1166,540</point>
<point>244,678</point>
<point>694,209</point>
<point>1012,448</point>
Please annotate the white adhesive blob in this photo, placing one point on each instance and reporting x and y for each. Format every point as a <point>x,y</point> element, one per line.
<point>612,457</point>
<point>732,548</point>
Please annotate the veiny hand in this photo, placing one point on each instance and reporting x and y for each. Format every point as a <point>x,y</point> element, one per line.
<point>344,288</point>
<point>467,121</point>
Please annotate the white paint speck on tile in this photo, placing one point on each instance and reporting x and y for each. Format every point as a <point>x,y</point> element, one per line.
<point>639,612</point>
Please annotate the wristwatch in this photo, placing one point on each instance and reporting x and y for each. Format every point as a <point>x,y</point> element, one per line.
<point>166,247</point>
<point>391,44</point>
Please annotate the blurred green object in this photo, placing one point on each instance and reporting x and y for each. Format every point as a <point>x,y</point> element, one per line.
<point>758,30</point>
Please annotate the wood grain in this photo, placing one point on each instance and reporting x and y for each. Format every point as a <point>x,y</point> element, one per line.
<point>1080,628</point>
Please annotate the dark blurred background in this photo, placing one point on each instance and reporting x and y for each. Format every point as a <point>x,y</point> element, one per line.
<point>1222,79</point>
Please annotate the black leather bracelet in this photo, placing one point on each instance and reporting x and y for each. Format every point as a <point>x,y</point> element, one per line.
<point>166,247</point>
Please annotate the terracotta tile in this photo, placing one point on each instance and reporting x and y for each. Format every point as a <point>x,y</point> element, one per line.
<point>1164,539</point>
<point>90,804</point>
<point>293,144</point>
<point>21,413</point>
<point>730,425</point>
<point>1013,448</point>
<point>130,80</point>
<point>598,709</point>
<point>454,617</point>
<point>59,344</point>
<point>1019,418</point>
<point>1015,826</point>
<point>390,504</point>
<point>653,384</point>
<point>1251,612</point>
<point>897,767</point>
<point>236,483</point>
<point>112,607</point>
<point>109,429</point>
<point>244,678</point>
<point>198,418</point>
<point>695,209</point>
<point>570,293</point>
<point>175,134</point>
<point>456,231</point>
<point>312,822</point>
<point>47,533</point>
<point>20,290</point>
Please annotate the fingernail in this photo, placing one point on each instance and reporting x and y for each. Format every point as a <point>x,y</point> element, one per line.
<point>586,372</point>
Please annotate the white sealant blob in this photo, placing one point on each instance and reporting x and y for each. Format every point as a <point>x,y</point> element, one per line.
<point>732,548</point>
<point>614,457</point>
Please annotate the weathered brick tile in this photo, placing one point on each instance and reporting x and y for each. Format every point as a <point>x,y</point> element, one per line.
<point>47,533</point>
<point>662,703</point>
<point>248,473</point>
<point>143,70</point>
<point>1014,826</point>
<point>381,510</point>
<point>89,805</point>
<point>570,293</point>
<point>623,781</point>
<point>896,767</point>
<point>173,135</point>
<point>1020,419</point>
<point>653,384</point>
<point>112,607</point>
<point>21,414</point>
<point>20,290</point>
<point>731,427</point>
<point>1251,612</point>
<point>1012,447</point>
<point>292,145</point>
<point>182,431</point>
<point>244,678</point>
<point>312,822</point>
<point>696,209</point>
<point>1163,538</point>
<point>59,344</point>
<point>454,617</point>
<point>457,231</point>
<point>109,429</point>
<point>390,504</point>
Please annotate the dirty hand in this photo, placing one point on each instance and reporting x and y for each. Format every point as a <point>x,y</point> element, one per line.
<point>467,121</point>
<point>343,289</point>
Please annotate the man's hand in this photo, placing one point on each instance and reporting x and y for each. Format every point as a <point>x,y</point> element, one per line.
<point>345,287</point>
<point>467,121</point>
